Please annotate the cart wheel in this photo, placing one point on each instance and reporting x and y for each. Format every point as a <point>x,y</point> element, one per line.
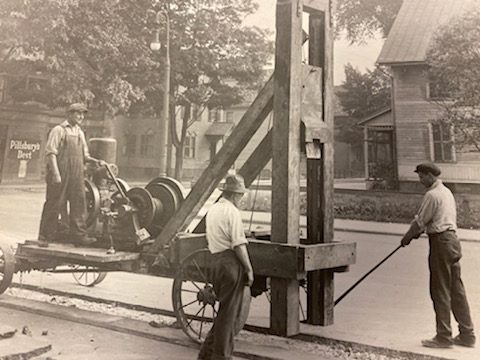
<point>90,277</point>
<point>7,266</point>
<point>194,299</point>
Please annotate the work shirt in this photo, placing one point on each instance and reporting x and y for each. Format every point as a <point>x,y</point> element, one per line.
<point>57,136</point>
<point>224,227</point>
<point>438,211</point>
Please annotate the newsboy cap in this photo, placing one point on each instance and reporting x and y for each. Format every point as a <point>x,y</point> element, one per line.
<point>234,183</point>
<point>77,107</point>
<point>427,168</point>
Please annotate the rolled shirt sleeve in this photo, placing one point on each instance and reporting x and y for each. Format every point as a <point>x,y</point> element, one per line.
<point>426,211</point>
<point>54,140</point>
<point>238,232</point>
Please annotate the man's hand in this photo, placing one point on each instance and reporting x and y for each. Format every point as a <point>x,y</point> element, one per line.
<point>406,240</point>
<point>249,280</point>
<point>101,163</point>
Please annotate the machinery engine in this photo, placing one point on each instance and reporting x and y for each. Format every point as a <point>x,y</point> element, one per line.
<point>124,218</point>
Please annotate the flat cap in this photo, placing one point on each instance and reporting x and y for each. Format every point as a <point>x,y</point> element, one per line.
<point>427,168</point>
<point>80,107</point>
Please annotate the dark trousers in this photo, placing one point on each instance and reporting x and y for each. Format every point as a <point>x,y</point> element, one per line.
<point>71,190</point>
<point>446,286</point>
<point>228,284</point>
<point>71,223</point>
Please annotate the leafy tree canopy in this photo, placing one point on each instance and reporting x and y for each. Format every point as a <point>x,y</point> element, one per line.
<point>98,51</point>
<point>362,19</point>
<point>454,59</point>
<point>364,93</point>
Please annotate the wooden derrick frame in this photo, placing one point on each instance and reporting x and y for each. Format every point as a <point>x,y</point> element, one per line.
<point>283,144</point>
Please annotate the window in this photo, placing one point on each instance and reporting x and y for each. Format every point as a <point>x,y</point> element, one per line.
<point>189,146</point>
<point>229,117</point>
<point>146,145</point>
<point>442,142</point>
<point>130,145</point>
<point>214,115</point>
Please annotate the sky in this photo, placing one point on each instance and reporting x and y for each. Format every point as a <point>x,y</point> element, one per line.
<point>360,56</point>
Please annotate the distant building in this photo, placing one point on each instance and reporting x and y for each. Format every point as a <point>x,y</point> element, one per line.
<point>24,126</point>
<point>416,136</point>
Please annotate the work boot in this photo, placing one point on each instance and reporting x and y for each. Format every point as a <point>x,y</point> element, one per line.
<point>462,340</point>
<point>437,343</point>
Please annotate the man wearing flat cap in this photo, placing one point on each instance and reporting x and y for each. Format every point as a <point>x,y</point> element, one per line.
<point>437,216</point>
<point>66,152</point>
<point>232,267</point>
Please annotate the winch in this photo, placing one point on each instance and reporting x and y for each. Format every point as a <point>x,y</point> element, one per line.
<point>120,217</point>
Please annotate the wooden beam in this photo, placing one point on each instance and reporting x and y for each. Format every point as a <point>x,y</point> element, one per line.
<point>310,6</point>
<point>218,167</point>
<point>284,315</point>
<point>279,260</point>
<point>320,284</point>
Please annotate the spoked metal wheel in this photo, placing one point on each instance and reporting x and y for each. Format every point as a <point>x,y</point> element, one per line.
<point>7,266</point>
<point>88,275</point>
<point>194,299</point>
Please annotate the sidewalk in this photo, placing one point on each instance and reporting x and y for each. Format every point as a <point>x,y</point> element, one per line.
<point>262,220</point>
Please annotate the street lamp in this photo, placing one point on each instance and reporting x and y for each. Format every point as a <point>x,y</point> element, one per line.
<point>156,45</point>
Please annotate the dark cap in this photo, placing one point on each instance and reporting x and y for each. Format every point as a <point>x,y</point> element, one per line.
<point>428,168</point>
<point>77,107</point>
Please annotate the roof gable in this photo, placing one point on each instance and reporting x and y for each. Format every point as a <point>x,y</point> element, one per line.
<point>414,28</point>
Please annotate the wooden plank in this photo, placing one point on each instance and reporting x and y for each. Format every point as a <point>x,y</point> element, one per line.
<point>284,314</point>
<point>315,5</point>
<point>288,261</point>
<point>320,284</point>
<point>329,256</point>
<point>76,255</point>
<point>218,167</point>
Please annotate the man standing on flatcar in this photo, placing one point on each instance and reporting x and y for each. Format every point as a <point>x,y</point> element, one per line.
<point>66,152</point>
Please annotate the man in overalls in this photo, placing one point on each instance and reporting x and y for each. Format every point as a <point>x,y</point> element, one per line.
<point>66,152</point>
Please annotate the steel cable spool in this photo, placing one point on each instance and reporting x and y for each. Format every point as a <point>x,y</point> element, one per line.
<point>169,195</point>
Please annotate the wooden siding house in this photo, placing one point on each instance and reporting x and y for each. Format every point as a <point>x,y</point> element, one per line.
<point>417,137</point>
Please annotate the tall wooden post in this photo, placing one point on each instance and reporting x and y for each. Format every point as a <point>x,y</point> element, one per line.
<point>320,284</point>
<point>284,314</point>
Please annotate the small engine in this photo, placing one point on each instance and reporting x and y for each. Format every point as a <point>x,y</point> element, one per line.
<point>124,218</point>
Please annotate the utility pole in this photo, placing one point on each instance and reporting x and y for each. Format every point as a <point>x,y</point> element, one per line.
<point>164,114</point>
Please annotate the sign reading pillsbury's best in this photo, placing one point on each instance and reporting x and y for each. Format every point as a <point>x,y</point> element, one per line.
<point>25,149</point>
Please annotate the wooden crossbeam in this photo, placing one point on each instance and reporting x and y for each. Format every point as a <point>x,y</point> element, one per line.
<point>218,167</point>
<point>315,5</point>
<point>278,260</point>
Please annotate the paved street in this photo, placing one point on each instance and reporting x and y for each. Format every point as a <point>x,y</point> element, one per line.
<point>389,309</point>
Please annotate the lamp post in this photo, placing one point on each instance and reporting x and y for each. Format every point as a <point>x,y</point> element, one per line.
<point>164,115</point>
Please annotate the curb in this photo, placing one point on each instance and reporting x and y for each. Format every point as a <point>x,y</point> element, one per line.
<point>143,329</point>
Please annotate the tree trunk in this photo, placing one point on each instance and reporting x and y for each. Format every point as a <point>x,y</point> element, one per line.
<point>181,143</point>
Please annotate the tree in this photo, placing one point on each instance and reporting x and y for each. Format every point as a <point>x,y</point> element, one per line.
<point>454,60</point>
<point>363,94</point>
<point>215,59</point>
<point>363,19</point>
<point>91,51</point>
<point>98,52</point>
